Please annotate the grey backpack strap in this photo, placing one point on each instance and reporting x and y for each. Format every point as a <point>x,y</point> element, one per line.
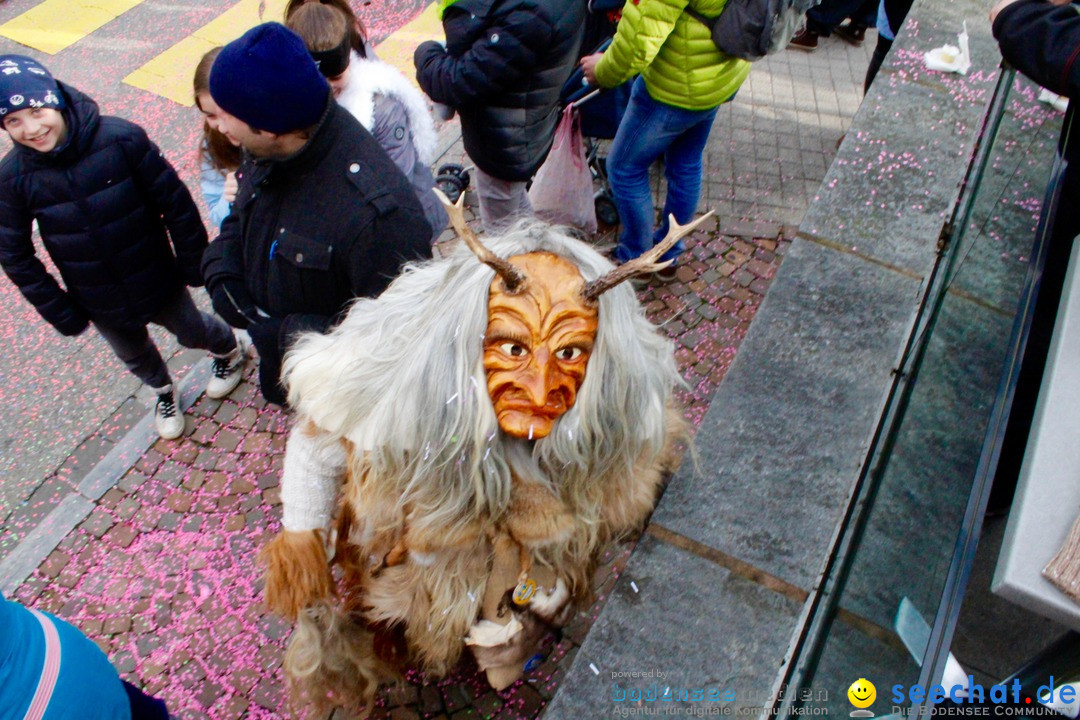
<point>707,22</point>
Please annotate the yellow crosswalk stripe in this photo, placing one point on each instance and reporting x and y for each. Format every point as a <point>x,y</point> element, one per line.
<point>53,25</point>
<point>169,74</point>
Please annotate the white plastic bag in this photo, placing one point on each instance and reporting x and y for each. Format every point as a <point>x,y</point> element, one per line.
<point>562,191</point>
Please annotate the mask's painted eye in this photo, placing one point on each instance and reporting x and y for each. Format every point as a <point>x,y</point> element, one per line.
<point>512,349</point>
<point>570,353</point>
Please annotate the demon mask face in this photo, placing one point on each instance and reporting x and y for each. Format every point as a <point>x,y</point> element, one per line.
<point>542,322</point>
<point>537,344</point>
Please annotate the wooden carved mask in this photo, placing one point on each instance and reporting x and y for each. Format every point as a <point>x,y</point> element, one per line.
<point>537,344</point>
<point>542,321</point>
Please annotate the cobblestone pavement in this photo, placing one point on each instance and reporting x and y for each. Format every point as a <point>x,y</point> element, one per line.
<point>162,572</point>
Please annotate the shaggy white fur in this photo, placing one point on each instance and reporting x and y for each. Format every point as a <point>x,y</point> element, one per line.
<point>435,494</point>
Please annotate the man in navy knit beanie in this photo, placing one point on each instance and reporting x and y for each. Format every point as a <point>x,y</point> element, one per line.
<point>322,215</point>
<point>270,90</point>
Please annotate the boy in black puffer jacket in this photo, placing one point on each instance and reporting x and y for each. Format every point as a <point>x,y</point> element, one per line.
<point>106,203</point>
<point>502,68</point>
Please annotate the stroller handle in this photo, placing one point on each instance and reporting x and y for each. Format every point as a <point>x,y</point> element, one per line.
<point>586,98</point>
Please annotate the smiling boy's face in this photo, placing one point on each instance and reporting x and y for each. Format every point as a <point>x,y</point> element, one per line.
<point>41,129</point>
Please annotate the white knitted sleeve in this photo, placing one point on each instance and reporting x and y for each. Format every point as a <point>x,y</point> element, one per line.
<point>313,471</point>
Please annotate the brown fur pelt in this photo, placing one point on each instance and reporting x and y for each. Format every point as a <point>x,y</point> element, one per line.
<point>436,591</point>
<point>330,662</point>
<point>427,584</point>
<point>624,505</point>
<point>297,575</point>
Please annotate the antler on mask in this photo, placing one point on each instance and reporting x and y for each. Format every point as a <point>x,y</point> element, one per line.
<point>645,263</point>
<point>512,277</point>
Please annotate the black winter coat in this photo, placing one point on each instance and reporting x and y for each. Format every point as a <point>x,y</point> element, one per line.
<point>1043,42</point>
<point>503,67</point>
<point>309,233</point>
<point>107,203</point>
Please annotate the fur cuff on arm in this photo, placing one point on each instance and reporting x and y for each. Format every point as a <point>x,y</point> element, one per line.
<point>297,572</point>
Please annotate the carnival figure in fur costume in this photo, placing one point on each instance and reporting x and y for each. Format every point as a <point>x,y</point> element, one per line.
<point>466,446</point>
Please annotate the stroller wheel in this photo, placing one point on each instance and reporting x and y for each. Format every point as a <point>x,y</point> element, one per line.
<point>456,170</point>
<point>606,212</point>
<point>451,185</point>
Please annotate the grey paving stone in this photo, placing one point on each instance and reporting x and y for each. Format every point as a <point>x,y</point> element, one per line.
<point>787,430</point>
<point>909,132</point>
<point>42,540</point>
<point>691,620</point>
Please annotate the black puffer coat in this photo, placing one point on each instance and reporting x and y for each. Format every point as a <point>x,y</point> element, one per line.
<point>504,64</point>
<point>308,234</point>
<point>1042,41</point>
<point>103,202</point>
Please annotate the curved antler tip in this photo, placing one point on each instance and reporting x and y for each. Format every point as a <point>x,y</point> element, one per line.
<point>645,263</point>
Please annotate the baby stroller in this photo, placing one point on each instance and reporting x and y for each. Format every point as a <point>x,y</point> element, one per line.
<point>600,111</point>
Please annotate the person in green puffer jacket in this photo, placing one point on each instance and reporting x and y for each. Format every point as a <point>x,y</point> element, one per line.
<point>683,79</point>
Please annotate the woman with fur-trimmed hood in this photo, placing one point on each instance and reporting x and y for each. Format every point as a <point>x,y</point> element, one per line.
<point>379,96</point>
<point>467,445</point>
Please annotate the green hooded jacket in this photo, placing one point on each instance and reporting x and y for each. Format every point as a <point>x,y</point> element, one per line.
<point>674,53</point>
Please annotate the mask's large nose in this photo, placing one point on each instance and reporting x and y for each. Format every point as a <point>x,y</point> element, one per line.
<point>536,380</point>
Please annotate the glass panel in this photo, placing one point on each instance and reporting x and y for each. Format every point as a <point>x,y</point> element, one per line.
<point>924,480</point>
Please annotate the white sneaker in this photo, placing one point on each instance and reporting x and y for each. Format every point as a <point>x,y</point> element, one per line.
<point>168,419</point>
<point>226,372</point>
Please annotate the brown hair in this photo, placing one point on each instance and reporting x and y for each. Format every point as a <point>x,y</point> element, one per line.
<point>357,34</point>
<point>321,27</point>
<point>215,148</point>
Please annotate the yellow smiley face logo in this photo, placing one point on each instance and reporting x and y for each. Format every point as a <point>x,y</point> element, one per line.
<point>862,693</point>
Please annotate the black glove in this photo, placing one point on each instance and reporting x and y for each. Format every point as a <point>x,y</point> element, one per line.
<point>232,301</point>
<point>72,325</point>
<point>192,276</point>
<point>265,336</point>
<point>426,49</point>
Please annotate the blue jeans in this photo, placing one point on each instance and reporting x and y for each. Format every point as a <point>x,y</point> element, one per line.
<point>648,130</point>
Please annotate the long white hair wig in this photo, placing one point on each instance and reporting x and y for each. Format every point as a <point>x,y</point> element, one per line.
<point>402,379</point>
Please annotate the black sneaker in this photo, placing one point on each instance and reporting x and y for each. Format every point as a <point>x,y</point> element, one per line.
<point>805,39</point>
<point>667,274</point>
<point>854,33</point>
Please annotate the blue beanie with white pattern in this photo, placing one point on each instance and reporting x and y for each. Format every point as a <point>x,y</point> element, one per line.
<point>24,83</point>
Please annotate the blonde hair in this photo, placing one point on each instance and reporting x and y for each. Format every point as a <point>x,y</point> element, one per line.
<point>215,148</point>
<point>321,27</point>
<point>357,33</point>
